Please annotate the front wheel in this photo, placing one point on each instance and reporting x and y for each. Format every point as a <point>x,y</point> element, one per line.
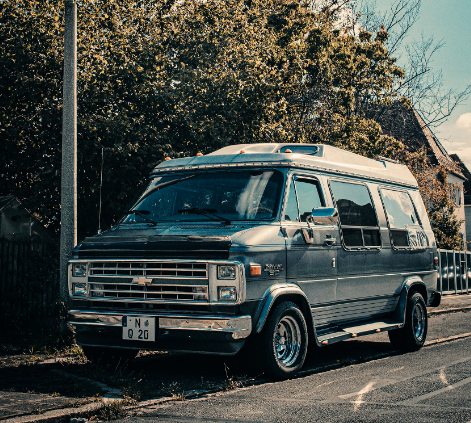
<point>284,341</point>
<point>412,336</point>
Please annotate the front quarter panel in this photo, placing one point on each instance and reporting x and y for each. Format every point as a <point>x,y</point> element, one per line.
<point>262,246</point>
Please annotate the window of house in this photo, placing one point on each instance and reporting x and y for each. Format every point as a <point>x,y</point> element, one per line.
<point>304,195</point>
<point>357,214</point>
<point>457,197</point>
<point>401,215</point>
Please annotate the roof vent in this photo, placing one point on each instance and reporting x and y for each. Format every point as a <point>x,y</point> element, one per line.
<point>310,150</point>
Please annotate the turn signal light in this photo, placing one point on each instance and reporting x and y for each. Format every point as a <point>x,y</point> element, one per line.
<point>199,154</point>
<point>255,270</point>
<point>167,159</point>
<point>242,151</point>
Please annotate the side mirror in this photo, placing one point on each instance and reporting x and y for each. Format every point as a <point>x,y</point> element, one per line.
<point>324,215</point>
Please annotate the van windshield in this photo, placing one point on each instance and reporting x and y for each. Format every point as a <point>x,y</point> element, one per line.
<point>223,195</point>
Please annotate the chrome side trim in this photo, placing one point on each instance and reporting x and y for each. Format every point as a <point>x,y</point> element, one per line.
<point>376,275</point>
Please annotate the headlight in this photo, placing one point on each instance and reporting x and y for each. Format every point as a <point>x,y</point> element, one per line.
<point>226,272</point>
<point>79,269</point>
<point>227,293</point>
<point>79,289</point>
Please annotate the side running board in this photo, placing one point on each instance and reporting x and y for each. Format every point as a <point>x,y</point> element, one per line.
<point>330,335</point>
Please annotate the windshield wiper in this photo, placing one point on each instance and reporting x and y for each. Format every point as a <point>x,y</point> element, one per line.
<point>205,212</point>
<point>141,213</point>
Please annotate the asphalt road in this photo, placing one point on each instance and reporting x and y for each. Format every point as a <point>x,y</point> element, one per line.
<point>362,380</point>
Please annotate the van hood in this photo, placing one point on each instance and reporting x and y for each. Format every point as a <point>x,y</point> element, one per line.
<point>176,241</point>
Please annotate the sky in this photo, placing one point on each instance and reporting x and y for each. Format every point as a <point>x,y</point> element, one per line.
<point>450,21</point>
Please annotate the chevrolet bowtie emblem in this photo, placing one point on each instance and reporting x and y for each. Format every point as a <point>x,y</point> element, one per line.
<point>142,280</point>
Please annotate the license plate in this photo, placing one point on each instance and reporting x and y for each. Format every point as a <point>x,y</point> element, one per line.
<point>139,328</point>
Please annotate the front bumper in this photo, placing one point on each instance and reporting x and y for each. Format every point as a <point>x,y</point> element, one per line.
<point>202,334</point>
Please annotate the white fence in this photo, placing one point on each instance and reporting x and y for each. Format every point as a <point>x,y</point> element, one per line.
<point>454,271</point>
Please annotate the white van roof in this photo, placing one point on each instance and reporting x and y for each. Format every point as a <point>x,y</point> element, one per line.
<point>318,157</point>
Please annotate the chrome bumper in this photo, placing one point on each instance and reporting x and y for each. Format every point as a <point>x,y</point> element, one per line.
<point>239,327</point>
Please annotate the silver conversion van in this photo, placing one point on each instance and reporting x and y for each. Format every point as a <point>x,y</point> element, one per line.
<point>275,246</point>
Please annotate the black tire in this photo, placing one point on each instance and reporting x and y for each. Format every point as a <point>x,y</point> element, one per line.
<point>412,336</point>
<point>283,341</point>
<point>114,357</point>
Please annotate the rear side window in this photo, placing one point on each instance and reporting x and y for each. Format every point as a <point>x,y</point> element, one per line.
<point>357,214</point>
<point>402,217</point>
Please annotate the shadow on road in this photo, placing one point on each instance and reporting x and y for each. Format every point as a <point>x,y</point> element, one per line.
<point>157,374</point>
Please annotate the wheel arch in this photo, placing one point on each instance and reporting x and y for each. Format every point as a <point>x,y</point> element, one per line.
<point>410,286</point>
<point>281,293</point>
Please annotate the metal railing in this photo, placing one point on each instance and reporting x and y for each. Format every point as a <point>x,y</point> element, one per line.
<point>454,271</point>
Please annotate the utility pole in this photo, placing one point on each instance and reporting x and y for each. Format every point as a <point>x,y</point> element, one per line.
<point>69,147</point>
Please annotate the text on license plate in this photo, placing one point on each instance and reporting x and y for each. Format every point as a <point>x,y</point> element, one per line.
<point>139,328</point>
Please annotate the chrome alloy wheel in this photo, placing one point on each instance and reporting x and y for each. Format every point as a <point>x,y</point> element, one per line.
<point>418,321</point>
<point>287,341</point>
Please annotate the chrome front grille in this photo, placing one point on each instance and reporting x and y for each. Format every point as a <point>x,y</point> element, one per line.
<point>150,269</point>
<point>148,281</point>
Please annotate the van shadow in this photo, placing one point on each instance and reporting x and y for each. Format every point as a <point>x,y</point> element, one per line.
<point>158,374</point>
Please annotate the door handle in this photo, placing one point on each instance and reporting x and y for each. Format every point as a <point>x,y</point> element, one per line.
<point>329,240</point>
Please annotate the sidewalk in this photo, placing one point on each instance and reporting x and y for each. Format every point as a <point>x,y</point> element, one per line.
<point>33,396</point>
<point>452,303</point>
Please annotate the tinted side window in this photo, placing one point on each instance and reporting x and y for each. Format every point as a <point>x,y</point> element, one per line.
<point>309,197</point>
<point>357,214</point>
<point>303,196</point>
<point>401,215</point>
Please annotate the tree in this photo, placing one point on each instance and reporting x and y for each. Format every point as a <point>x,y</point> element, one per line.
<point>164,78</point>
<point>111,93</point>
<point>422,84</point>
<point>438,196</point>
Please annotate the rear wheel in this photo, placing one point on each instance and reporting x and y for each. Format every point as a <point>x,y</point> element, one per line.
<point>284,341</point>
<point>109,356</point>
<point>412,336</point>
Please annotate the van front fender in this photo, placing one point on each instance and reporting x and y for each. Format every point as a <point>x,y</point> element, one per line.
<point>274,293</point>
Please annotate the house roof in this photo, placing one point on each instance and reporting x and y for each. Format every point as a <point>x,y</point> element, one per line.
<point>5,200</point>
<point>408,126</point>
<point>439,151</point>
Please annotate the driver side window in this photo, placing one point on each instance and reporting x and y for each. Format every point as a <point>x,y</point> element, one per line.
<point>304,195</point>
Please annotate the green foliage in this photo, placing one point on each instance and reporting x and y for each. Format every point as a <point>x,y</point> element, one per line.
<point>438,196</point>
<point>164,78</point>
<point>111,92</point>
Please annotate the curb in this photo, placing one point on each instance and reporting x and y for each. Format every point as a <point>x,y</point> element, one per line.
<point>60,415</point>
<point>448,310</point>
